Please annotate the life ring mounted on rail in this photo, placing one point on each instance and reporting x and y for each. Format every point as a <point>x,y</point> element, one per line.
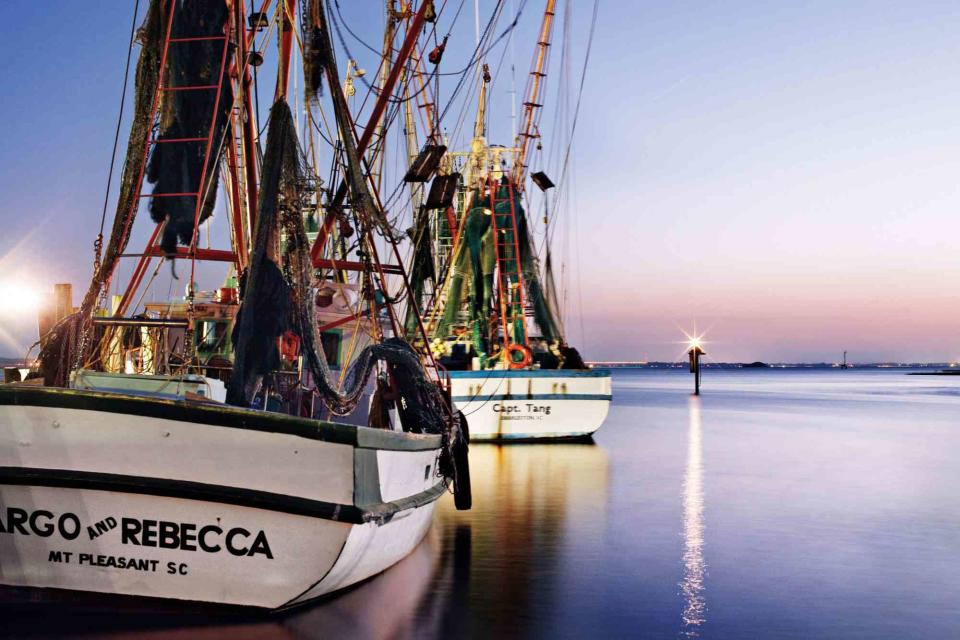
<point>525,359</point>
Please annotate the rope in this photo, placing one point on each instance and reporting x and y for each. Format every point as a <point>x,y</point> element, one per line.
<point>576,110</point>
<point>98,244</point>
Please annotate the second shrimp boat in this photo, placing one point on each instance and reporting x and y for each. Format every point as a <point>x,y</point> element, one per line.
<point>492,313</point>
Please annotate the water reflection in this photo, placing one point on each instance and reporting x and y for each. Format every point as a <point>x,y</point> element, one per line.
<point>694,568</point>
<point>532,503</point>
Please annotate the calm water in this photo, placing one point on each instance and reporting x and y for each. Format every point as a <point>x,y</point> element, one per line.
<point>780,504</point>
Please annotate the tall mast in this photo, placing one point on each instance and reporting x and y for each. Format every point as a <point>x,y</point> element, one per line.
<point>379,151</point>
<point>532,107</point>
<point>513,81</point>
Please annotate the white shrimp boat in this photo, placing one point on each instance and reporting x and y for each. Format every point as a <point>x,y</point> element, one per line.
<point>192,501</point>
<point>493,312</point>
<point>532,404</point>
<point>176,450</point>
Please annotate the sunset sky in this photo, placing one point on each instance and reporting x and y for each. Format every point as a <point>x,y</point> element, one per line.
<point>784,177</point>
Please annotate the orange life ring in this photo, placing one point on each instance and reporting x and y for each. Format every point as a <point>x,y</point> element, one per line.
<point>522,363</point>
<point>289,346</point>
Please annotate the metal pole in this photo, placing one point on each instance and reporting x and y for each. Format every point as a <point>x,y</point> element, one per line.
<point>695,353</point>
<point>696,385</point>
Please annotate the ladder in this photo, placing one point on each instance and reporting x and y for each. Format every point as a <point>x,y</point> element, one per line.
<point>152,249</point>
<point>510,286</point>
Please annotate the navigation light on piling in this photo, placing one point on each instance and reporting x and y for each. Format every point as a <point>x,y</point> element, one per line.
<point>695,350</point>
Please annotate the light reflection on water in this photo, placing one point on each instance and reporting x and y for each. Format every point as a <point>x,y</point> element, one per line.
<point>694,568</point>
<point>833,513</point>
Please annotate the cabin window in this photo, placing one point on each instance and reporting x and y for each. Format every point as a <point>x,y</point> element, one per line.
<point>211,336</point>
<point>331,346</point>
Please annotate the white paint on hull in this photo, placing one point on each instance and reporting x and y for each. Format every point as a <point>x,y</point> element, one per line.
<point>118,469</point>
<point>310,556</point>
<point>522,404</point>
<point>118,443</point>
<point>370,548</point>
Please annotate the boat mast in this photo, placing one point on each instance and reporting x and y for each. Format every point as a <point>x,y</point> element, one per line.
<point>379,151</point>
<point>532,107</point>
<point>406,49</point>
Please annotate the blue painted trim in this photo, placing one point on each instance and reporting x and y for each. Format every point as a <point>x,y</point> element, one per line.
<point>532,373</point>
<point>529,437</point>
<point>520,397</point>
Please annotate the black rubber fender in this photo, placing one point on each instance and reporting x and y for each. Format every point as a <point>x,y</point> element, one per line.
<point>462,493</point>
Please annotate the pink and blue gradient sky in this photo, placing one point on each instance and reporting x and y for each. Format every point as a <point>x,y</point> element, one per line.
<point>785,176</point>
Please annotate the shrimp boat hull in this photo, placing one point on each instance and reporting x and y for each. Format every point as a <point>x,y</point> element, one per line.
<point>115,494</point>
<point>535,404</point>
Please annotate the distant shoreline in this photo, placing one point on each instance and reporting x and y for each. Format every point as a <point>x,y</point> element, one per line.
<point>11,362</point>
<point>770,365</point>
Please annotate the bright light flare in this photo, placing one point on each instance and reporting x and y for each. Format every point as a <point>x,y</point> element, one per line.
<point>694,340</point>
<point>17,298</point>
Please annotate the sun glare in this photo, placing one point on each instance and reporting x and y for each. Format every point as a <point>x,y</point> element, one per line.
<point>18,297</point>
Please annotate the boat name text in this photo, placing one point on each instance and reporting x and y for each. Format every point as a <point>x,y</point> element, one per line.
<point>187,536</point>
<point>41,523</point>
<point>526,407</point>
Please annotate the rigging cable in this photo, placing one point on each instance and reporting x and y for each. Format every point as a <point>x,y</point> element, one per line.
<point>576,110</point>
<point>98,244</point>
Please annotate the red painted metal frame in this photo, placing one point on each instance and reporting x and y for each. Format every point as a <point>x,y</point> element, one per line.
<point>349,265</point>
<point>152,249</point>
<point>206,156</point>
<point>212,255</point>
<point>452,223</point>
<point>286,47</point>
<point>502,284</point>
<point>409,41</point>
<point>342,321</point>
<point>143,262</point>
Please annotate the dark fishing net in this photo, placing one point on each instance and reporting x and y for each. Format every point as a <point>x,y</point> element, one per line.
<point>473,266</point>
<point>176,167</point>
<point>282,198</point>
<point>313,49</point>
<point>421,268</point>
<point>68,344</point>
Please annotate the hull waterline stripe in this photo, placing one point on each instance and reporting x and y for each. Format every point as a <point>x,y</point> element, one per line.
<point>186,490</point>
<point>533,438</point>
<point>532,373</point>
<point>520,397</point>
<point>216,415</point>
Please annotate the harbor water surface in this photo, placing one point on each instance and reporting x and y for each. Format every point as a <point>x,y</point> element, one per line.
<point>782,503</point>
